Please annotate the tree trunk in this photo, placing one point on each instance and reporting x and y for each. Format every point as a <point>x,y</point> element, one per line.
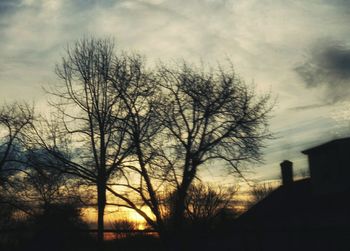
<point>101,204</point>
<point>178,232</point>
<point>179,210</point>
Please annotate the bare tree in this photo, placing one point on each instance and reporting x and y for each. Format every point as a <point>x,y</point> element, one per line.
<point>209,116</point>
<point>260,191</point>
<point>88,135</point>
<point>140,96</point>
<point>181,119</point>
<point>35,185</point>
<point>124,227</point>
<point>14,119</point>
<point>155,129</point>
<point>204,203</point>
<point>43,184</point>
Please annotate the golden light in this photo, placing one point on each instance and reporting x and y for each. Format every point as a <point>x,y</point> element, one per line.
<point>138,219</point>
<point>111,216</point>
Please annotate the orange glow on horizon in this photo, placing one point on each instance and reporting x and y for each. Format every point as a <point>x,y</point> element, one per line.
<point>112,215</point>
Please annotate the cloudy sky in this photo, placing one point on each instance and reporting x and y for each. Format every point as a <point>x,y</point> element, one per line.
<point>299,50</point>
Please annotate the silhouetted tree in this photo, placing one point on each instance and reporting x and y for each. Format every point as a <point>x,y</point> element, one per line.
<point>152,129</point>
<point>34,194</point>
<point>87,135</point>
<point>140,96</point>
<point>205,203</point>
<point>57,226</point>
<point>45,184</point>
<point>209,115</point>
<point>260,191</point>
<point>181,119</point>
<point>36,185</point>
<point>14,119</point>
<point>60,217</point>
<point>121,226</point>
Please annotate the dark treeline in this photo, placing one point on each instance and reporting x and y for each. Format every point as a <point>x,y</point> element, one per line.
<point>134,134</point>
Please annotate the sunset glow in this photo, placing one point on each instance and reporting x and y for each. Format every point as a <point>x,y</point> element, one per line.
<point>174,125</point>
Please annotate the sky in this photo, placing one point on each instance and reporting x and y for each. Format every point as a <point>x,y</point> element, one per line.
<point>298,50</point>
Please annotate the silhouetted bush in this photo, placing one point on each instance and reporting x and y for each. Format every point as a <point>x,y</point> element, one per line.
<point>59,217</point>
<point>126,225</point>
<point>207,207</point>
<point>209,216</point>
<point>6,222</point>
<point>57,227</point>
<point>135,242</point>
<point>259,192</point>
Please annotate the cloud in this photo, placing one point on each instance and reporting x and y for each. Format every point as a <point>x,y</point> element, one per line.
<point>263,39</point>
<point>8,6</point>
<point>307,107</point>
<point>328,67</point>
<point>7,9</point>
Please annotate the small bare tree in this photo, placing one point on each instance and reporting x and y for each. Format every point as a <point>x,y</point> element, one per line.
<point>35,185</point>
<point>124,227</point>
<point>14,119</point>
<point>260,191</point>
<point>204,203</point>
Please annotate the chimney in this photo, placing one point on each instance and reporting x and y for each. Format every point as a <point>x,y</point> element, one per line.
<point>287,172</point>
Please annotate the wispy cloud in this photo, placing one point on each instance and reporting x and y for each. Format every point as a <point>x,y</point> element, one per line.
<point>8,6</point>
<point>328,66</point>
<point>266,41</point>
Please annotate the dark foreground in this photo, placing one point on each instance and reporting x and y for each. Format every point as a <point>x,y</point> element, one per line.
<point>237,241</point>
<point>86,242</point>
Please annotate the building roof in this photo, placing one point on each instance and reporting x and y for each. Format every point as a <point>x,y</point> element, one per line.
<point>327,145</point>
<point>295,206</point>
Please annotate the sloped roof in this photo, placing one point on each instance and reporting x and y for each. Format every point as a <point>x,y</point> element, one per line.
<point>295,206</point>
<point>327,145</point>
